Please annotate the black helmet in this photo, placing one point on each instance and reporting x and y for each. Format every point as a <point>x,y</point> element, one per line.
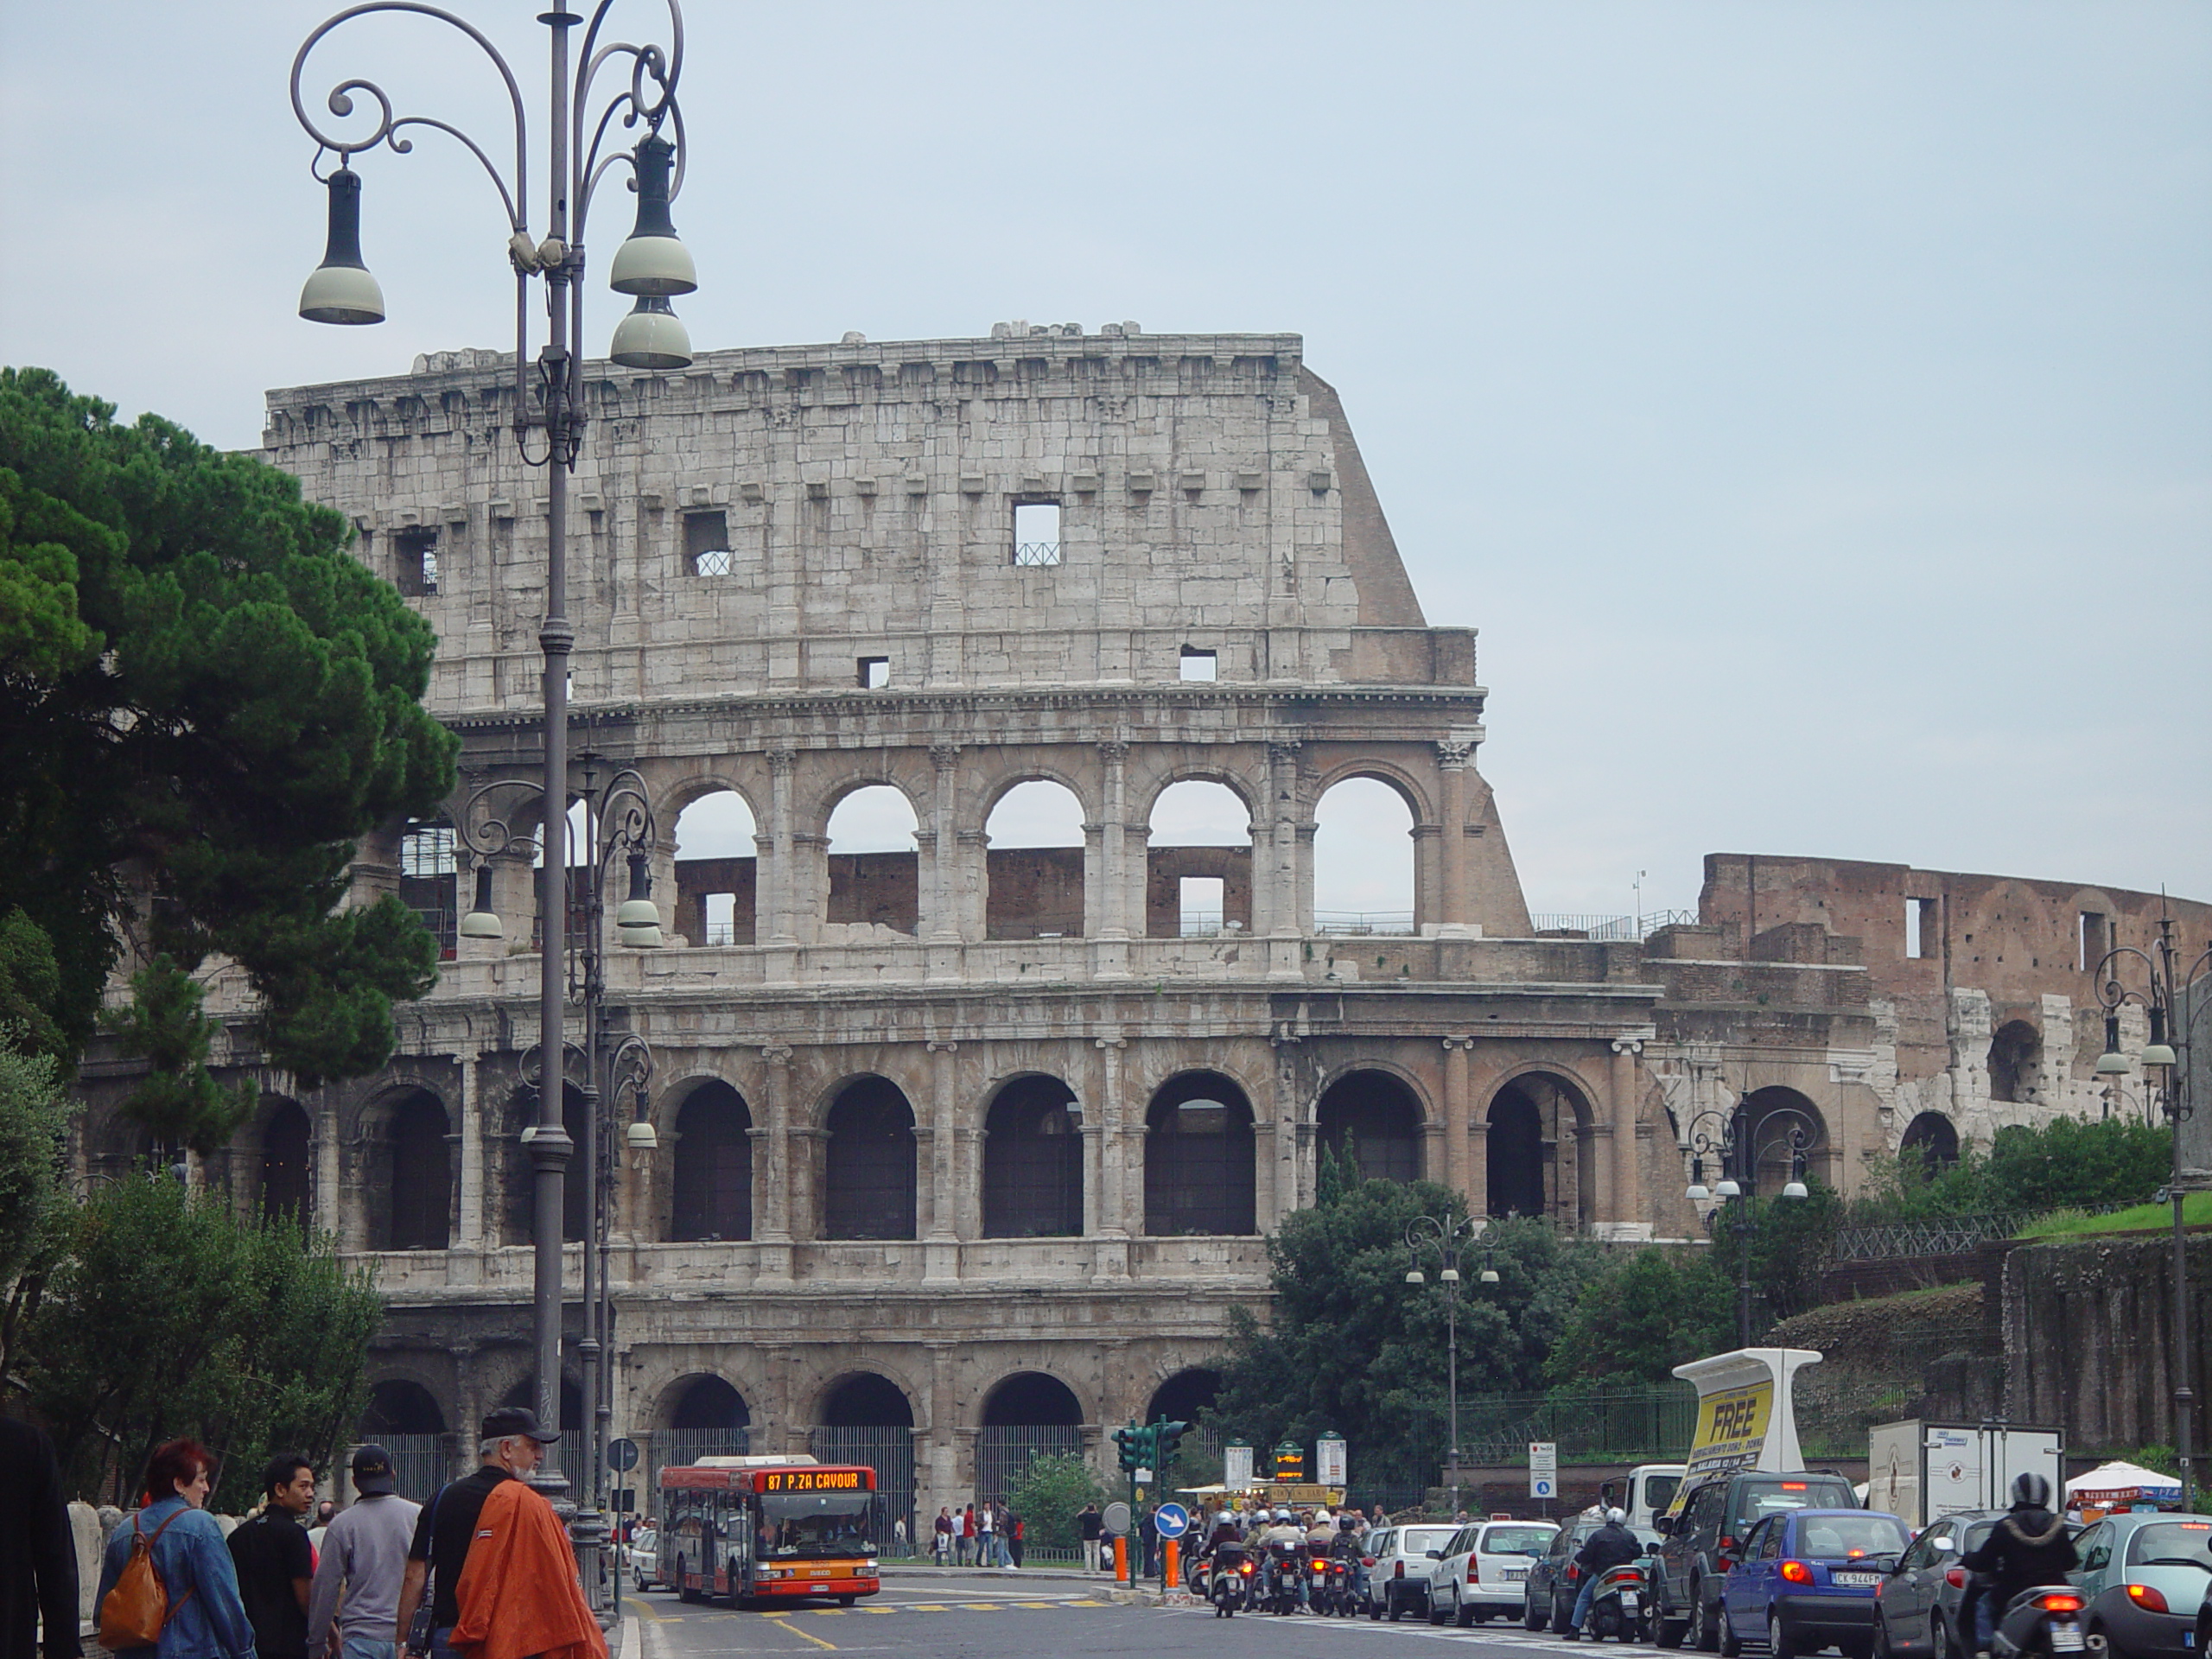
<point>2030,1492</point>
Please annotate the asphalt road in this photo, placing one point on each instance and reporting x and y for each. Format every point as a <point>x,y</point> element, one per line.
<point>968,1619</point>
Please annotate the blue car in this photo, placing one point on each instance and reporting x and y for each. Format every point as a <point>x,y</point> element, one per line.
<point>1804,1579</point>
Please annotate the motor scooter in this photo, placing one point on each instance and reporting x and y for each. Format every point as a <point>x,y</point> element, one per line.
<point>2043,1621</point>
<point>1621,1605</point>
<point>1284,1571</point>
<point>1229,1587</point>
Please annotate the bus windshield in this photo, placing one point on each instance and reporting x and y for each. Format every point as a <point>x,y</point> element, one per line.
<point>815,1523</point>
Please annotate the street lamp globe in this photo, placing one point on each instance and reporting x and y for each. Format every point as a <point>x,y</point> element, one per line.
<point>652,261</point>
<point>652,337</point>
<point>341,290</point>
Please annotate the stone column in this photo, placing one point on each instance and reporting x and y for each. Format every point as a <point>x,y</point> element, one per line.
<point>1627,1197</point>
<point>329,1178</point>
<point>772,1162</point>
<point>1106,890</point>
<point>942,924</point>
<point>1453,902</point>
<point>940,1217</point>
<point>470,1232</point>
<point>1594,1161</point>
<point>776,881</point>
<point>1115,1219</point>
<point>1455,1112</point>
<point>970,877</point>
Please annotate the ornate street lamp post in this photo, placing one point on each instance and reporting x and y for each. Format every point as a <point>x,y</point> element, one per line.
<point>2171,999</point>
<point>548,417</point>
<point>1730,1143</point>
<point>1428,1237</point>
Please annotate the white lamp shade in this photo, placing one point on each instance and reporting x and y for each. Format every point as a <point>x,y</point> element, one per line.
<point>2112,1063</point>
<point>1699,1193</point>
<point>651,338</point>
<point>2160,1054</point>
<point>641,1137</point>
<point>656,265</point>
<point>341,294</point>
<point>1727,1190</point>
<point>482,924</point>
<point>1795,1190</point>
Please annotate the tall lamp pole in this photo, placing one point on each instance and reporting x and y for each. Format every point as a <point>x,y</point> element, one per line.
<point>2171,999</point>
<point>1729,1141</point>
<point>548,415</point>
<point>1442,1240</point>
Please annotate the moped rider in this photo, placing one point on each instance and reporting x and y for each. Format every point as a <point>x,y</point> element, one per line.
<point>2028,1548</point>
<point>1604,1549</point>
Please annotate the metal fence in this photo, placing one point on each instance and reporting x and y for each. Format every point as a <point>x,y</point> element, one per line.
<point>1364,921</point>
<point>1612,927</point>
<point>1631,1423</point>
<point>1004,1455</point>
<point>420,1463</point>
<point>673,1448</point>
<point>890,1452</point>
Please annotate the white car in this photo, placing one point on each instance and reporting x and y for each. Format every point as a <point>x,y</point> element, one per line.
<point>644,1558</point>
<point>1484,1571</point>
<point>1398,1563</point>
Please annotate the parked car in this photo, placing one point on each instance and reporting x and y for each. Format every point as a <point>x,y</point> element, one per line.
<point>1716,1518</point>
<point>1807,1580</point>
<point>1916,1609</point>
<point>644,1558</point>
<point>1399,1562</point>
<point>1484,1567</point>
<point>2144,1579</point>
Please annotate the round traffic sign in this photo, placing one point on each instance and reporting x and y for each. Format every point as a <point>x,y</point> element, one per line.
<point>1543,1488</point>
<point>1171,1519</point>
<point>622,1454</point>
<point>1117,1518</point>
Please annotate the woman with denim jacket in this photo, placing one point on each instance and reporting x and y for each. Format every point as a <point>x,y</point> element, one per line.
<point>207,1619</point>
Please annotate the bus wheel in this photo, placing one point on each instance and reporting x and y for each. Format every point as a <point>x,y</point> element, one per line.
<point>847,1601</point>
<point>683,1590</point>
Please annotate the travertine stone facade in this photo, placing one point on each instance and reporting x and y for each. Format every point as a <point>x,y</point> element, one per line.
<point>949,1137</point>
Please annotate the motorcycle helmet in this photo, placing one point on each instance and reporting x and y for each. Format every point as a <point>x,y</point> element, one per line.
<point>1617,1517</point>
<point>1345,1523</point>
<point>1283,1517</point>
<point>2030,1492</point>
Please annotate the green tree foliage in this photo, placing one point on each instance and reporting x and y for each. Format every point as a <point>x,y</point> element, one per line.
<point>1049,1497</point>
<point>203,695</point>
<point>35,1114</point>
<point>1638,1320</point>
<point>168,1315</point>
<point>2068,1163</point>
<point>1355,1349</point>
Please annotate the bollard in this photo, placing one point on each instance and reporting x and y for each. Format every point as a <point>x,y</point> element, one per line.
<point>1170,1564</point>
<point>1121,1560</point>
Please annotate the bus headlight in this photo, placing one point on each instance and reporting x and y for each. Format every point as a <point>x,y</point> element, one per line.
<point>869,1567</point>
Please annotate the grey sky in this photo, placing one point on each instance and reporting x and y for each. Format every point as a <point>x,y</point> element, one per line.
<point>1809,403</point>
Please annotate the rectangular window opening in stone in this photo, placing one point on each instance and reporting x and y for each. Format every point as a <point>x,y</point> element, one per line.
<point>1200,902</point>
<point>2096,940</point>
<point>1919,927</point>
<point>722,918</point>
<point>414,563</point>
<point>1036,532</point>
<point>873,673</point>
<point>706,542</point>
<point>1197,665</point>
<point>428,882</point>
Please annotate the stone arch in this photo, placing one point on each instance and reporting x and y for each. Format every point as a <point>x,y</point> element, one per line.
<point>1382,1117</point>
<point>1932,1140</point>
<point>1031,1399</point>
<point>2015,1063</point>
<point>1034,862</point>
<point>525,1394</point>
<point>1199,861</point>
<point>1199,1154</point>
<point>1366,877</point>
<point>400,1405</point>
<point>1540,1156</point>
<point>1181,1397</point>
<point>704,1400</point>
<point>1033,1160</point>
<point>874,881</point>
<point>714,857</point>
<point>868,1164</point>
<point>711,1181</point>
<point>286,1174</point>
<point>409,1176</point>
<point>864,1399</point>
<point>990,794</point>
<point>1768,1123</point>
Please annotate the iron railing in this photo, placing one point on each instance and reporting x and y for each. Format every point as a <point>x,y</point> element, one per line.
<point>1612,927</point>
<point>890,1452</point>
<point>1364,921</point>
<point>1036,553</point>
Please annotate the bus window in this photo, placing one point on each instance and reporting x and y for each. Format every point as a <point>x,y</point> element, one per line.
<point>815,1523</point>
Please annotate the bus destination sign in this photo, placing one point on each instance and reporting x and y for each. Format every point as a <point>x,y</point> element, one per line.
<point>813,1480</point>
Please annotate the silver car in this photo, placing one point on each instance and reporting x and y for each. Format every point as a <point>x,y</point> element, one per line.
<point>1400,1560</point>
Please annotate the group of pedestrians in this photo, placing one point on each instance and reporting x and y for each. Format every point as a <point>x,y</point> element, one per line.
<point>989,1534</point>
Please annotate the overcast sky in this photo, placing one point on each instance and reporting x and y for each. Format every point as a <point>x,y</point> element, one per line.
<point>1809,402</point>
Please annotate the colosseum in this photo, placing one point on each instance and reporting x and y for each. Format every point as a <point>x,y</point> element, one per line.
<point>986,697</point>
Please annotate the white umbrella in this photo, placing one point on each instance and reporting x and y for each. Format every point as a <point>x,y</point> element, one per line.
<point>2122,1482</point>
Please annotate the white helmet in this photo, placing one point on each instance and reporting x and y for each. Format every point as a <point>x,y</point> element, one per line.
<point>1283,1517</point>
<point>1615,1518</point>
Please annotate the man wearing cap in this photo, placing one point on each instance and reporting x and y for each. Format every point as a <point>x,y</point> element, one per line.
<point>364,1558</point>
<point>504,1579</point>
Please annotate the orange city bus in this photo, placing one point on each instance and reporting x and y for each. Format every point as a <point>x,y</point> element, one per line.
<point>758,1529</point>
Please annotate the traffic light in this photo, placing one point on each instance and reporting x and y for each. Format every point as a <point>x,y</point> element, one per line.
<point>1136,1448</point>
<point>1165,1434</point>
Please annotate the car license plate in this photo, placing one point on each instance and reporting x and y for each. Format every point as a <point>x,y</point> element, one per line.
<point>2066,1638</point>
<point>1863,1580</point>
<point>1628,1601</point>
<point>1515,1574</point>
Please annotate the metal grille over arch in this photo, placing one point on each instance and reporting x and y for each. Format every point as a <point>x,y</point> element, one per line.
<point>1028,1415</point>
<point>868,1164</point>
<point>712,1177</point>
<point>1033,1162</point>
<point>405,1418</point>
<point>1198,1157</point>
<point>1376,1115</point>
<point>708,1418</point>
<point>867,1418</point>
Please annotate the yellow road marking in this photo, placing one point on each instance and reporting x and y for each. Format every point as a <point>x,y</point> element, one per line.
<point>779,1621</point>
<point>646,1608</point>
